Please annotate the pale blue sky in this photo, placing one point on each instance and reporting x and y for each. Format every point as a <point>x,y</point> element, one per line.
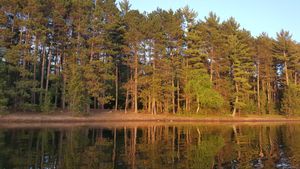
<point>255,15</point>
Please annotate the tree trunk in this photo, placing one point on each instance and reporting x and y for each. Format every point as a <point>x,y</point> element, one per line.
<point>126,101</point>
<point>268,96</point>
<point>63,102</point>
<point>57,75</point>
<point>258,88</point>
<point>34,69</point>
<point>211,65</point>
<point>236,101</point>
<point>135,83</point>
<point>173,95</point>
<point>117,87</point>
<point>149,104</point>
<point>42,74</point>
<point>63,95</point>
<point>153,106</point>
<point>198,106</point>
<point>286,71</point>
<point>48,71</point>
<point>178,96</point>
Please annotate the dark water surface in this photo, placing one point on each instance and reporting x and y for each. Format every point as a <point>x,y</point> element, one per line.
<point>152,147</point>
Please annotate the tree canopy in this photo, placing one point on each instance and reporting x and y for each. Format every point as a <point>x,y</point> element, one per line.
<point>96,54</point>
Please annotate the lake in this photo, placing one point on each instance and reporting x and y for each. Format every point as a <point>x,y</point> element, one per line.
<point>155,146</point>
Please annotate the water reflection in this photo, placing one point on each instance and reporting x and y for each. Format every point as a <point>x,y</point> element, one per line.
<point>156,146</point>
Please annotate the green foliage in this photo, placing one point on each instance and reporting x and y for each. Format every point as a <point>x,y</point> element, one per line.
<point>291,100</point>
<point>28,107</point>
<point>242,66</point>
<point>47,104</point>
<point>62,54</point>
<point>76,91</point>
<point>201,88</point>
<point>96,77</point>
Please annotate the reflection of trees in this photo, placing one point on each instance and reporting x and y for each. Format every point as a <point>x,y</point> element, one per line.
<point>201,155</point>
<point>251,145</point>
<point>4,152</point>
<point>25,149</point>
<point>292,137</point>
<point>149,147</point>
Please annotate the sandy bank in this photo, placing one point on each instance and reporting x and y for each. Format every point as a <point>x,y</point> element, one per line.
<point>109,116</point>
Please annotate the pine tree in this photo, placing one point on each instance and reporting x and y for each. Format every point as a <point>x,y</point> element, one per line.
<point>240,56</point>
<point>133,37</point>
<point>211,39</point>
<point>265,74</point>
<point>291,100</point>
<point>197,82</point>
<point>77,94</point>
<point>284,53</point>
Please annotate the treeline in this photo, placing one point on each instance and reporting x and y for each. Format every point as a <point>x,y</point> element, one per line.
<point>97,54</point>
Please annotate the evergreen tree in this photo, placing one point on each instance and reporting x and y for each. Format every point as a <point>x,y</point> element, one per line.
<point>265,74</point>
<point>291,100</point>
<point>240,56</point>
<point>284,53</point>
<point>100,54</point>
<point>133,37</point>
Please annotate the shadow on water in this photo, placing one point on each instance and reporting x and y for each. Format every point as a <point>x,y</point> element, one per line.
<point>153,147</point>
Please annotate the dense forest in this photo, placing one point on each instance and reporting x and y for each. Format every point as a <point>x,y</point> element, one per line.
<point>78,55</point>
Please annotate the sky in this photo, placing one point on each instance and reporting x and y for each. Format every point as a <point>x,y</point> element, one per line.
<point>257,16</point>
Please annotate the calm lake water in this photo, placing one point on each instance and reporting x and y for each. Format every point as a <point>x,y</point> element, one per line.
<point>151,147</point>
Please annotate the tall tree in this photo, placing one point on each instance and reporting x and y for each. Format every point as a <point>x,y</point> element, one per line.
<point>134,36</point>
<point>240,56</point>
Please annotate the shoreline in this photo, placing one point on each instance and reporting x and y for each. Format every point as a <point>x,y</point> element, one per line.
<point>114,117</point>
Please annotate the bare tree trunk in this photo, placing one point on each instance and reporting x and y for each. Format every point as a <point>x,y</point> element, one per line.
<point>258,88</point>
<point>34,69</point>
<point>42,74</point>
<point>236,101</point>
<point>135,83</point>
<point>268,96</point>
<point>153,106</point>
<point>57,75</point>
<point>63,96</point>
<point>117,87</point>
<point>173,95</point>
<point>178,96</point>
<point>48,71</point>
<point>173,84</point>
<point>198,106</point>
<point>166,106</point>
<point>211,65</point>
<point>63,102</point>
<point>286,71</point>
<point>126,101</point>
<point>149,104</point>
